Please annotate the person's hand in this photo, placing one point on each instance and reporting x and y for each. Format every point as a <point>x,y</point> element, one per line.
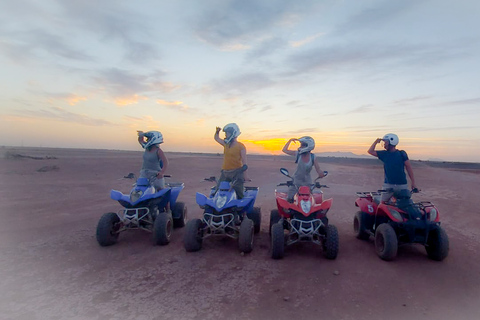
<point>140,133</point>
<point>378,140</point>
<point>217,130</point>
<point>159,175</point>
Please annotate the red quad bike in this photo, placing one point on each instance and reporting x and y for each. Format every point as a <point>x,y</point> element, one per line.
<point>399,221</point>
<point>304,220</point>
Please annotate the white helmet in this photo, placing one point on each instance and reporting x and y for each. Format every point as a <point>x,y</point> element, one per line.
<point>233,129</point>
<point>153,137</point>
<point>307,144</point>
<point>392,138</point>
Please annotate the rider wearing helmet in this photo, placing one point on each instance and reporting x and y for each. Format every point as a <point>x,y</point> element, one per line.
<point>154,161</point>
<point>234,158</point>
<point>305,160</point>
<point>395,162</point>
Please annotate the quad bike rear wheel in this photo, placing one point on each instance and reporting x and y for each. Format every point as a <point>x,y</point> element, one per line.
<point>162,229</point>
<point>359,226</point>
<point>278,241</point>
<point>245,236</point>
<point>256,217</point>
<point>192,240</point>
<point>274,218</point>
<point>437,245</point>
<point>107,229</point>
<point>179,215</point>
<point>386,242</point>
<point>330,244</point>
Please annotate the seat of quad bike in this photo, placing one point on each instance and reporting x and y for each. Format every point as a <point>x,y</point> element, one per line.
<point>403,194</point>
<point>143,182</point>
<point>175,184</point>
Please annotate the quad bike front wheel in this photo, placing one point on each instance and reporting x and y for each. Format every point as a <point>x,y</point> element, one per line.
<point>245,236</point>
<point>179,215</point>
<point>437,245</point>
<point>256,217</point>
<point>274,218</point>
<point>330,244</point>
<point>359,226</point>
<point>192,239</point>
<point>107,229</point>
<point>278,241</point>
<point>162,229</point>
<point>386,242</point>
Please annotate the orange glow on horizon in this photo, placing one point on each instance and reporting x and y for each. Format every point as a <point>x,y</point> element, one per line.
<point>272,146</point>
<point>275,146</point>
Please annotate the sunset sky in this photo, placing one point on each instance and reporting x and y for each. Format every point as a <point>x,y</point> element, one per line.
<point>88,74</point>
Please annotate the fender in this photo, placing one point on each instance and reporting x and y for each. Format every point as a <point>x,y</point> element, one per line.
<point>174,194</point>
<point>366,206</point>
<point>383,211</point>
<point>325,206</point>
<point>201,199</point>
<point>125,198</point>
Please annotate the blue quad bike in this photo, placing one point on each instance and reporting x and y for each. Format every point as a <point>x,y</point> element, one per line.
<point>225,215</point>
<point>144,208</point>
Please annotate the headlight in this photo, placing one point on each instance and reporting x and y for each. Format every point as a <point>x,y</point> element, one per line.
<point>433,214</point>
<point>306,205</point>
<point>135,195</point>
<point>220,202</point>
<point>395,214</point>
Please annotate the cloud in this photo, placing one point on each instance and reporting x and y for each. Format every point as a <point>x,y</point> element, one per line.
<point>128,100</point>
<point>239,22</point>
<point>300,43</point>
<point>110,20</point>
<point>71,98</point>
<point>127,87</point>
<point>176,105</point>
<point>376,58</point>
<point>362,109</point>
<point>60,114</point>
<point>474,101</point>
<point>266,48</point>
<point>412,100</point>
<point>34,45</point>
<point>243,83</point>
<point>375,17</point>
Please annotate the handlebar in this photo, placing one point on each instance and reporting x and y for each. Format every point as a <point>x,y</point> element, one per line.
<point>312,186</point>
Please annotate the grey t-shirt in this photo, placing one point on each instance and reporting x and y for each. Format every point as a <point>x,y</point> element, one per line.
<point>302,176</point>
<point>151,161</point>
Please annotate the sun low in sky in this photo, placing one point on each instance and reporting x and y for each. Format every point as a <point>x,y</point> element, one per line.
<point>88,74</point>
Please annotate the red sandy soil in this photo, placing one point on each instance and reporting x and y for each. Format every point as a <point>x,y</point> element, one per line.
<point>52,267</point>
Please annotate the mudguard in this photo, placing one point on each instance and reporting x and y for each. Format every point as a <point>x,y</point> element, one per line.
<point>201,199</point>
<point>366,206</point>
<point>325,205</point>
<point>383,211</point>
<point>174,194</point>
<point>125,198</point>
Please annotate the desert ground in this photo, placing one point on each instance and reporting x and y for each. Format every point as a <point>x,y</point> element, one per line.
<point>52,267</point>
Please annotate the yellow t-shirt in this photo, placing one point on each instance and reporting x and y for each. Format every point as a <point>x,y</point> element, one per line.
<point>232,157</point>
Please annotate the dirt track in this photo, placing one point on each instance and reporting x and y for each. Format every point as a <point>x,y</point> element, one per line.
<point>52,267</point>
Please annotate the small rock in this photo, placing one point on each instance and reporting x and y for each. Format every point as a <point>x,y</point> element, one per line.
<point>286,298</point>
<point>242,253</point>
<point>336,272</point>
